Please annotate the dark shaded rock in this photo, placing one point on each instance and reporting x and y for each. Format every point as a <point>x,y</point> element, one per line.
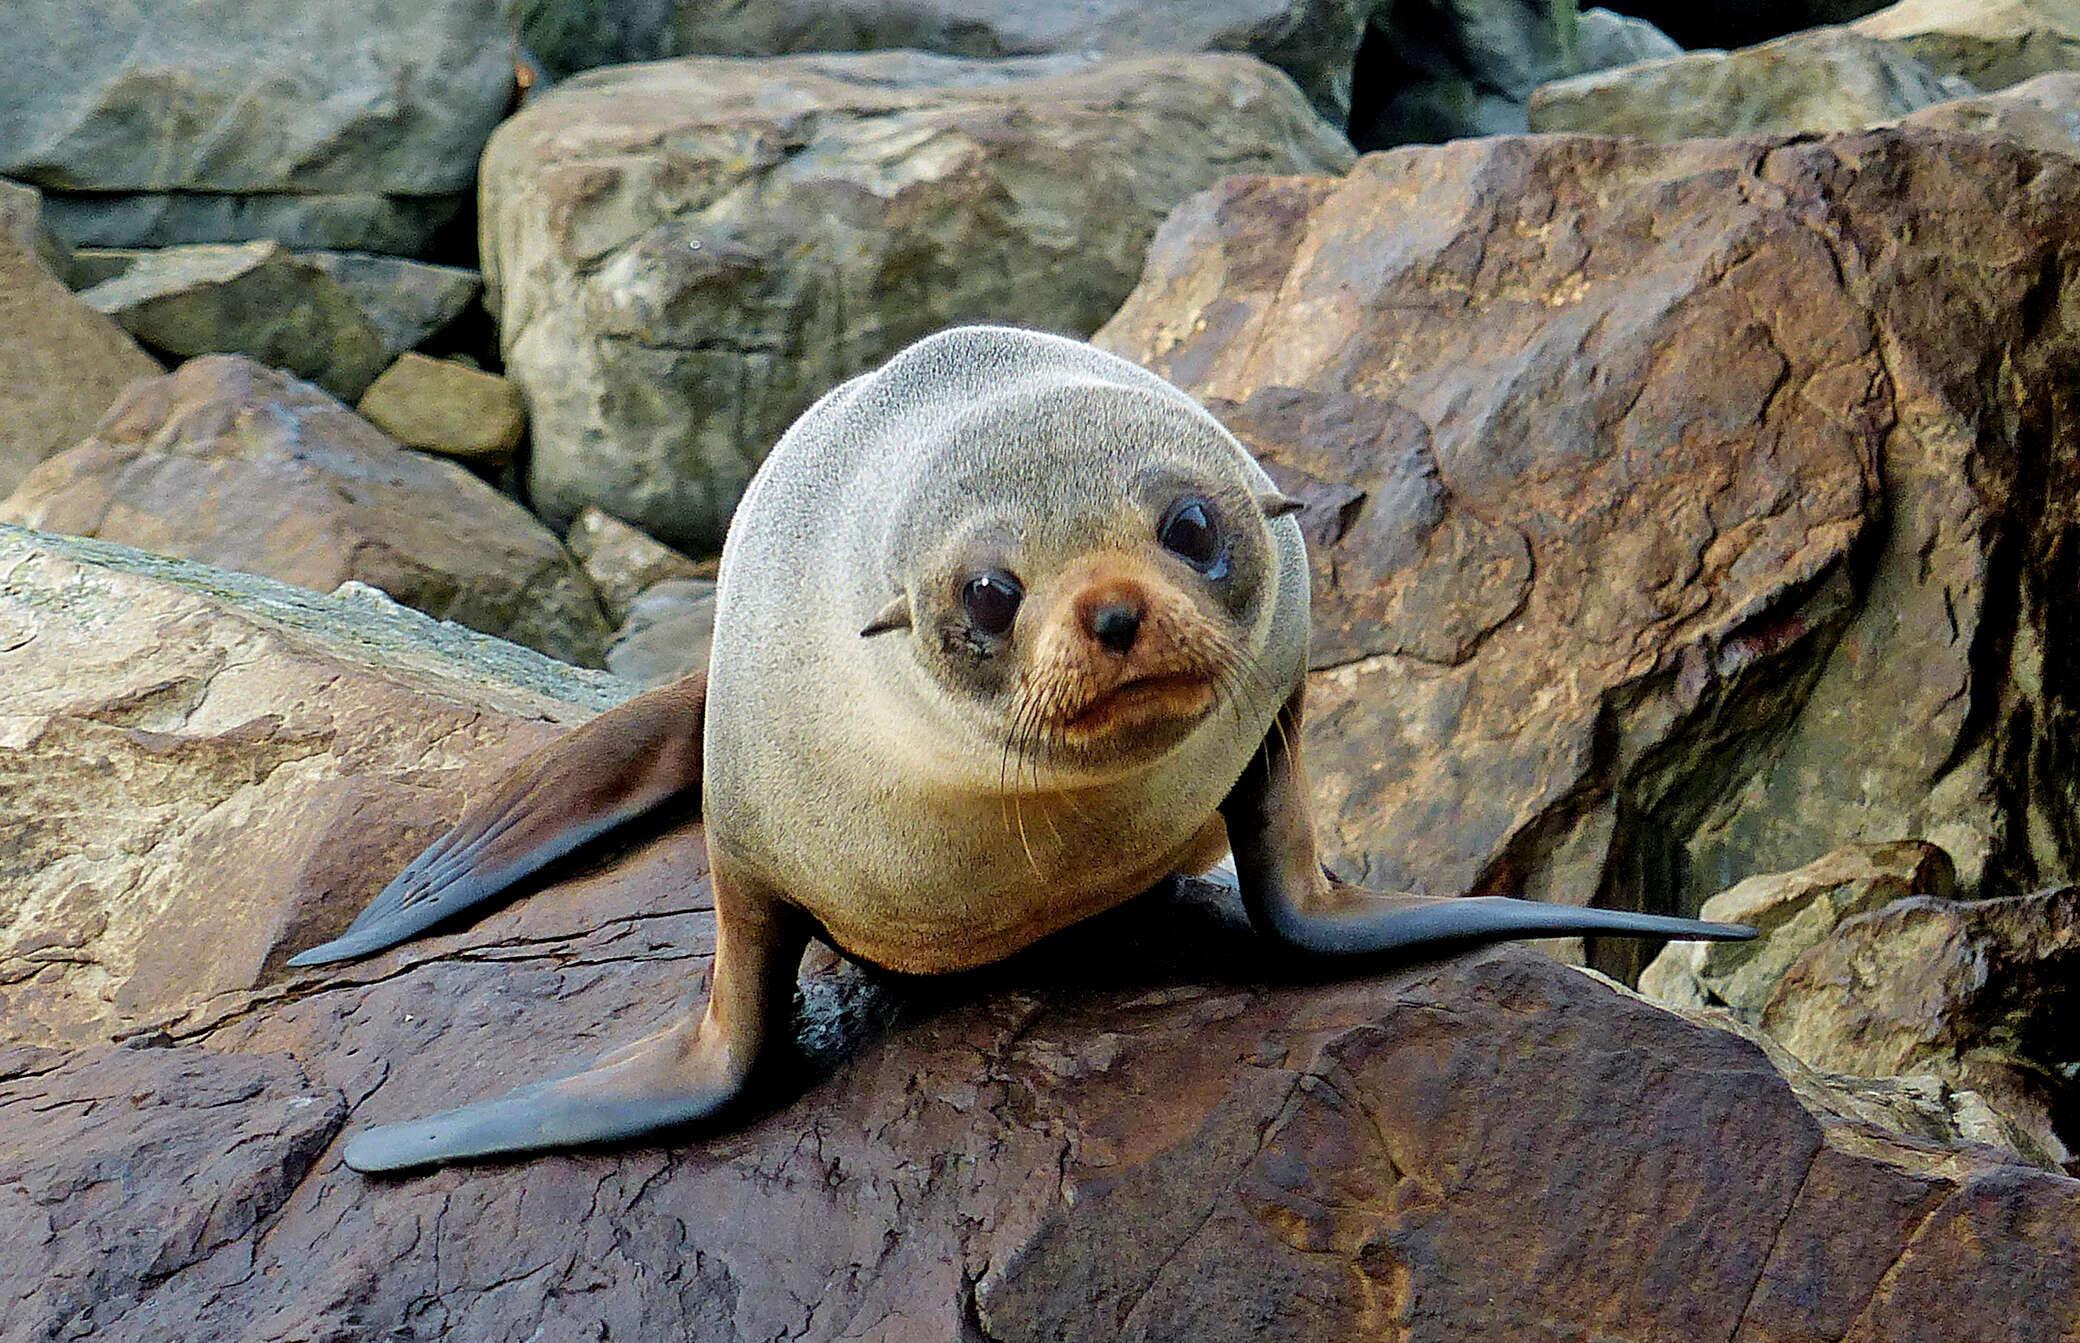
<point>684,255</point>
<point>1438,70</point>
<point>349,125</point>
<point>408,302</point>
<point>1686,381</point>
<point>1744,24</point>
<point>669,631</point>
<point>1980,993</point>
<point>237,465</point>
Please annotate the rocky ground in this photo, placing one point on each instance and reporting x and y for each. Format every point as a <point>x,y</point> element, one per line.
<point>1690,496</point>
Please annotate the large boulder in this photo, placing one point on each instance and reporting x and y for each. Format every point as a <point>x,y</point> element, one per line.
<point>1148,1130</point>
<point>245,467</point>
<point>354,124</point>
<point>683,255</point>
<point>1597,438</point>
<point>1314,41</point>
<point>1992,43</point>
<point>1827,79</point>
<point>61,363</point>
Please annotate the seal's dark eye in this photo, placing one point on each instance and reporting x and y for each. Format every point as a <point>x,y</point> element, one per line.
<point>991,600</point>
<point>1190,533</point>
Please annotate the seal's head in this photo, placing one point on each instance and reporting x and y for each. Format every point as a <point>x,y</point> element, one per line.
<point>1089,573</point>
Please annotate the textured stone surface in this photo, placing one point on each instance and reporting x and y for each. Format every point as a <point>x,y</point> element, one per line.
<point>1992,43</point>
<point>354,124</point>
<point>684,255</point>
<point>200,770</point>
<point>1793,910</point>
<point>240,466</point>
<point>61,363</point>
<point>22,227</point>
<point>1146,1130</point>
<point>621,561</point>
<point>1827,79</point>
<point>2042,113</point>
<point>253,299</point>
<point>669,631</point>
<point>1314,41</point>
<point>1593,435</point>
<point>407,301</point>
<point>1979,993</point>
<point>437,405</point>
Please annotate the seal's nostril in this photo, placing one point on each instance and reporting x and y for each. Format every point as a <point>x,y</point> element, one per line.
<point>1115,626</point>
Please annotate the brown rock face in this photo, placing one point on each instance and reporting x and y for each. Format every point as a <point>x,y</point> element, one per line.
<point>61,363</point>
<point>1979,993</point>
<point>241,466</point>
<point>1147,1130</point>
<point>1597,436</point>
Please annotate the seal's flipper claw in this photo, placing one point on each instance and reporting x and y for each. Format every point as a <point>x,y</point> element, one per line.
<point>1288,898</point>
<point>622,765</point>
<point>644,1091</point>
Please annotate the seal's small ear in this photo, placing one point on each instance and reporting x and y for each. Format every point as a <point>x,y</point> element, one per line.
<point>1276,505</point>
<point>894,616</point>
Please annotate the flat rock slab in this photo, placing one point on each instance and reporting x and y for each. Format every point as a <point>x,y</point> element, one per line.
<point>683,255</point>
<point>1992,43</point>
<point>237,465</point>
<point>1594,437</point>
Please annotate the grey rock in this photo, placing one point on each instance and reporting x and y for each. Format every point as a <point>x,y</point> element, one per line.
<point>253,299</point>
<point>407,301</point>
<point>668,632</point>
<point>1991,43</point>
<point>683,255</point>
<point>1314,41</point>
<point>1605,40</point>
<point>355,124</point>
<point>1826,79</point>
<point>622,562</point>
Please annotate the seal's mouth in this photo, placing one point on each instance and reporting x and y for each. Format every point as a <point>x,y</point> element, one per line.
<point>1171,697</point>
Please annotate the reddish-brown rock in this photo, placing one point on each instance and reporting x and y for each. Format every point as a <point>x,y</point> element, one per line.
<point>247,468</point>
<point>1149,1129</point>
<point>1680,512</point>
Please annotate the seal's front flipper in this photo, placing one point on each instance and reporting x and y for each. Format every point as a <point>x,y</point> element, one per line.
<point>1271,833</point>
<point>687,1071</point>
<point>627,762</point>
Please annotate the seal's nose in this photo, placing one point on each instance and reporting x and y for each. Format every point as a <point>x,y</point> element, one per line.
<point>1114,626</point>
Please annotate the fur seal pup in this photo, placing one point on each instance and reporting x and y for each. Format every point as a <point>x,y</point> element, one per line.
<point>1008,630</point>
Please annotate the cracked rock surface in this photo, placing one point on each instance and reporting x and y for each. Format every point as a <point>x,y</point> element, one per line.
<point>1678,512</point>
<point>1148,1128</point>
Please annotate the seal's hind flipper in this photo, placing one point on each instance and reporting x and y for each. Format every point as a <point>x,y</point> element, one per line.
<point>687,1071</point>
<point>627,762</point>
<point>1271,833</point>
